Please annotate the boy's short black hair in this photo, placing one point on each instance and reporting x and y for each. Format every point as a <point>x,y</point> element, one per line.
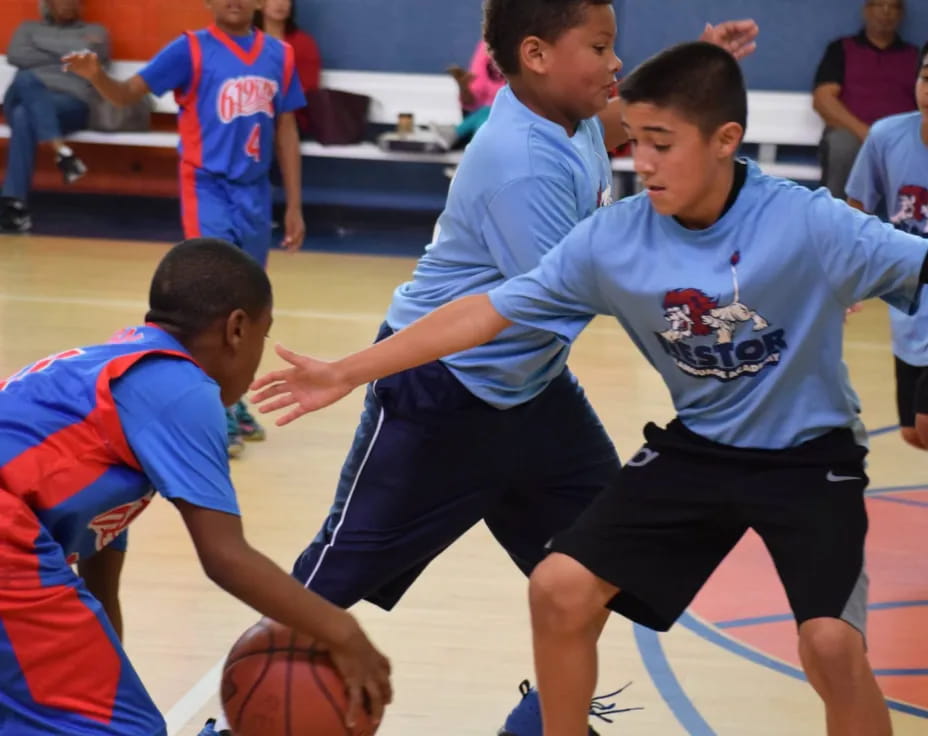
<point>202,280</point>
<point>700,80</point>
<point>506,23</point>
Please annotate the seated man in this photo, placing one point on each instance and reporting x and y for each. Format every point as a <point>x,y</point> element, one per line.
<point>44,103</point>
<point>861,79</point>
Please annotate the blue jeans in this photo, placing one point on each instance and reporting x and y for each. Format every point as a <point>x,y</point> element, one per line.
<point>35,114</point>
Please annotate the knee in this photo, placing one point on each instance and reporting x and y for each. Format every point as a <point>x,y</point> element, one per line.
<point>911,436</point>
<point>25,80</point>
<point>831,646</point>
<point>564,595</point>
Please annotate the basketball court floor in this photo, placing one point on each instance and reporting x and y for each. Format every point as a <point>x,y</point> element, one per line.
<point>460,640</point>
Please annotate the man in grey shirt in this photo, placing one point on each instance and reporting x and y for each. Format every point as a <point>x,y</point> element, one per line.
<point>44,103</point>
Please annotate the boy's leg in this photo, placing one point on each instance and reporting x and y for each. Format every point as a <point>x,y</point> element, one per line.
<point>21,153</point>
<point>421,467</point>
<point>62,668</point>
<point>562,459</point>
<point>644,548</point>
<point>907,379</point>
<point>921,407</point>
<point>813,520</point>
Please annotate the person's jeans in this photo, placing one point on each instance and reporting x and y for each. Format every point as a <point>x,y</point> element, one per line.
<point>35,114</point>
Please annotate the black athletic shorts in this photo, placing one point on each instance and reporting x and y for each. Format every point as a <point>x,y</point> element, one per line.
<point>911,391</point>
<point>682,503</point>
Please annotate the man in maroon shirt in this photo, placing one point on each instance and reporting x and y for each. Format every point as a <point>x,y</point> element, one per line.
<point>861,79</point>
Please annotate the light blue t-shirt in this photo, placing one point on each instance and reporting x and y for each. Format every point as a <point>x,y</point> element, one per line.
<point>744,319</point>
<point>892,168</point>
<point>522,185</point>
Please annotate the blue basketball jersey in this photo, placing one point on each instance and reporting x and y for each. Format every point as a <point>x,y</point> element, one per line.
<point>230,92</point>
<point>892,169</point>
<point>63,448</point>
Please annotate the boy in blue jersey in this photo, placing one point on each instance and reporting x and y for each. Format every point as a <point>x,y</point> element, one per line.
<point>734,286</point>
<point>237,90</point>
<point>410,485</point>
<point>892,170</point>
<point>87,437</point>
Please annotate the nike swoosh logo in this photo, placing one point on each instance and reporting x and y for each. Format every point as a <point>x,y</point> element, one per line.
<point>838,478</point>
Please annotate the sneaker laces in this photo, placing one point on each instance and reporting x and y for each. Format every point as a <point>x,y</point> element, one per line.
<point>602,710</point>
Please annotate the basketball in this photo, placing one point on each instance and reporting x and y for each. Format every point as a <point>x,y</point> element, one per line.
<point>275,682</point>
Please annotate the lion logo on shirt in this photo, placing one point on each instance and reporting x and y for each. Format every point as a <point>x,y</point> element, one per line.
<point>911,214</point>
<point>692,314</point>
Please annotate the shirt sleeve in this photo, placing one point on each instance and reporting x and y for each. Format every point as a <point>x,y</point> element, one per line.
<point>865,182</point>
<point>831,67</point>
<point>526,219</point>
<point>863,257</point>
<point>562,294</point>
<point>175,424</point>
<point>307,58</point>
<point>171,69</point>
<point>291,98</point>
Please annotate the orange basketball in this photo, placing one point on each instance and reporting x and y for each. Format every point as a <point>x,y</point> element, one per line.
<point>275,682</point>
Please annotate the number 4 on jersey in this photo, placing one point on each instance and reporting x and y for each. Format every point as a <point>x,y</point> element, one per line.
<point>253,145</point>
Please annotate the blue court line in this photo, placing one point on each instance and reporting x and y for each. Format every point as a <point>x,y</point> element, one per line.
<point>901,673</point>
<point>658,666</point>
<point>882,430</point>
<point>896,489</point>
<point>779,617</point>
<point>903,501</point>
<point>710,634</point>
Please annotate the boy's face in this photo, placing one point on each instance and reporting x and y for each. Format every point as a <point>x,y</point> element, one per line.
<point>236,14</point>
<point>680,168</point>
<point>580,67</point>
<point>245,340</point>
<point>921,88</point>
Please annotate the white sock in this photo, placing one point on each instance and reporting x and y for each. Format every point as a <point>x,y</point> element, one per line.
<point>65,151</point>
<point>221,723</point>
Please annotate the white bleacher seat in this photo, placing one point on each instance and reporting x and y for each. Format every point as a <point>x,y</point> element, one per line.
<point>774,118</point>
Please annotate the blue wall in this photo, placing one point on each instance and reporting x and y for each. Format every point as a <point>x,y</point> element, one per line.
<point>427,35</point>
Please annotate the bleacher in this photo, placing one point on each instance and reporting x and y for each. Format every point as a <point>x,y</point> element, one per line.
<point>775,120</point>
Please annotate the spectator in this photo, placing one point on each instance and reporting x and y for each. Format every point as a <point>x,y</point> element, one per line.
<point>278,19</point>
<point>44,103</point>
<point>861,79</point>
<point>478,88</point>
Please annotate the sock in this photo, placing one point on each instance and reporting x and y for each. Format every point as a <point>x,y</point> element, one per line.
<point>65,151</point>
<point>221,723</point>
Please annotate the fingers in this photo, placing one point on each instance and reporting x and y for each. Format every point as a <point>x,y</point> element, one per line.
<point>273,377</point>
<point>743,51</point>
<point>355,704</point>
<point>291,357</point>
<point>375,700</point>
<point>266,407</point>
<point>290,416</point>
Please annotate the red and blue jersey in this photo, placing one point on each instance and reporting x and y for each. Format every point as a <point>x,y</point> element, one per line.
<point>230,91</point>
<point>87,435</point>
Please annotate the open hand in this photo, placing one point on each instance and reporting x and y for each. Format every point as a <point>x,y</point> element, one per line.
<point>84,64</point>
<point>306,386</point>
<point>738,37</point>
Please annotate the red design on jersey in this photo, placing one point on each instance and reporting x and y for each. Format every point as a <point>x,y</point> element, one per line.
<point>40,366</point>
<point>244,96</point>
<point>108,525</point>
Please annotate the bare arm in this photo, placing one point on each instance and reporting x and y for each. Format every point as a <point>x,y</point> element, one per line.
<point>289,160</point>
<point>236,567</point>
<point>86,64</point>
<point>827,103</point>
<point>24,54</point>
<point>312,384</point>
<point>101,574</point>
<point>738,37</point>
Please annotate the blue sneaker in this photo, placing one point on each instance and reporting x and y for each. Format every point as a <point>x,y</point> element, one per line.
<point>210,729</point>
<point>525,718</point>
<point>234,441</point>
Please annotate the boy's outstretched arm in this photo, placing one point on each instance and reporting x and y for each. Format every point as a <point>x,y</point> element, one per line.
<point>313,384</point>
<point>86,64</point>
<point>738,37</point>
<point>236,567</point>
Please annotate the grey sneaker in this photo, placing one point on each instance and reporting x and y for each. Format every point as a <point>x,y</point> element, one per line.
<point>71,167</point>
<point>14,216</point>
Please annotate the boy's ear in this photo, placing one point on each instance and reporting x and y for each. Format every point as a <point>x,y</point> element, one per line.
<point>235,327</point>
<point>729,138</point>
<point>533,55</point>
